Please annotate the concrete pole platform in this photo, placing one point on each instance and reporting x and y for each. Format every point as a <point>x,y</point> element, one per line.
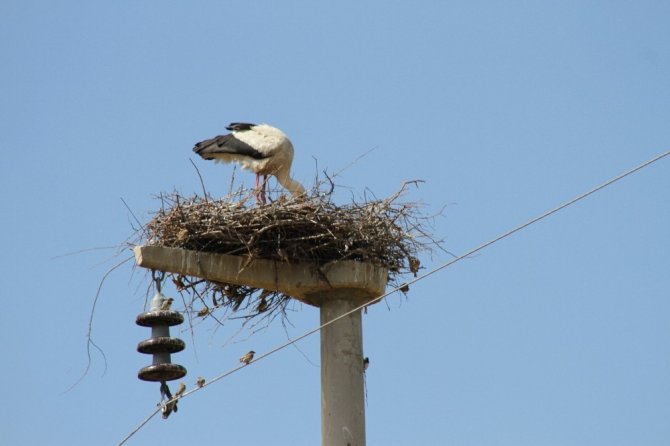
<point>302,281</point>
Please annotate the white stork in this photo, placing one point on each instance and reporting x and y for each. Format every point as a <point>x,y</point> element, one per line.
<point>261,148</point>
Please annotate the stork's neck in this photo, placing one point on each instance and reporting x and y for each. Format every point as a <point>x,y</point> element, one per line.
<point>284,178</point>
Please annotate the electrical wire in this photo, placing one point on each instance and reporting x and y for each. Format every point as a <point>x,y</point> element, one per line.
<point>416,279</point>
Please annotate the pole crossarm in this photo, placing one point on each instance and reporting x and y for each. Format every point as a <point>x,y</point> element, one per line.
<point>302,281</point>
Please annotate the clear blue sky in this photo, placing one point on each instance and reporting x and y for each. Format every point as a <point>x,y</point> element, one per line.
<point>556,336</point>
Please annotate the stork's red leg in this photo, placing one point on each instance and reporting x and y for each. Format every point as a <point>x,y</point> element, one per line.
<point>257,191</point>
<point>263,187</point>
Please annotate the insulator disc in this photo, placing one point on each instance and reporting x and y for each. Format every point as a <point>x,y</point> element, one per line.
<point>161,345</point>
<point>161,372</point>
<point>160,317</point>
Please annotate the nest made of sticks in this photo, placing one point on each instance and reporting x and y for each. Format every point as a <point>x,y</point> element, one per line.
<point>386,232</point>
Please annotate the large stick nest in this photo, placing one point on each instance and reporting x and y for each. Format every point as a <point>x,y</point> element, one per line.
<point>387,233</point>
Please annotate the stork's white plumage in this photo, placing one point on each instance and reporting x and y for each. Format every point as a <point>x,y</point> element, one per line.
<point>261,148</point>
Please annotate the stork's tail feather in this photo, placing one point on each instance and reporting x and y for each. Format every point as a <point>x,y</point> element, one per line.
<point>239,126</point>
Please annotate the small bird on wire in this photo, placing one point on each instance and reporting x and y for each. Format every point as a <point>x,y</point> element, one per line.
<point>247,358</point>
<point>171,405</point>
<point>166,304</point>
<point>200,381</point>
<point>180,390</point>
<point>168,408</point>
<point>414,265</point>
<point>261,148</point>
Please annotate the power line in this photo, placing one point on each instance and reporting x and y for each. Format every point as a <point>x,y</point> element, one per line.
<point>416,279</point>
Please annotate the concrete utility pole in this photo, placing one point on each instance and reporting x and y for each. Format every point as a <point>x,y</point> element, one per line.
<point>342,386</point>
<point>336,289</point>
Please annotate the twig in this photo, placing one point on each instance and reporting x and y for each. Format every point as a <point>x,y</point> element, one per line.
<point>202,183</point>
<point>89,338</point>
